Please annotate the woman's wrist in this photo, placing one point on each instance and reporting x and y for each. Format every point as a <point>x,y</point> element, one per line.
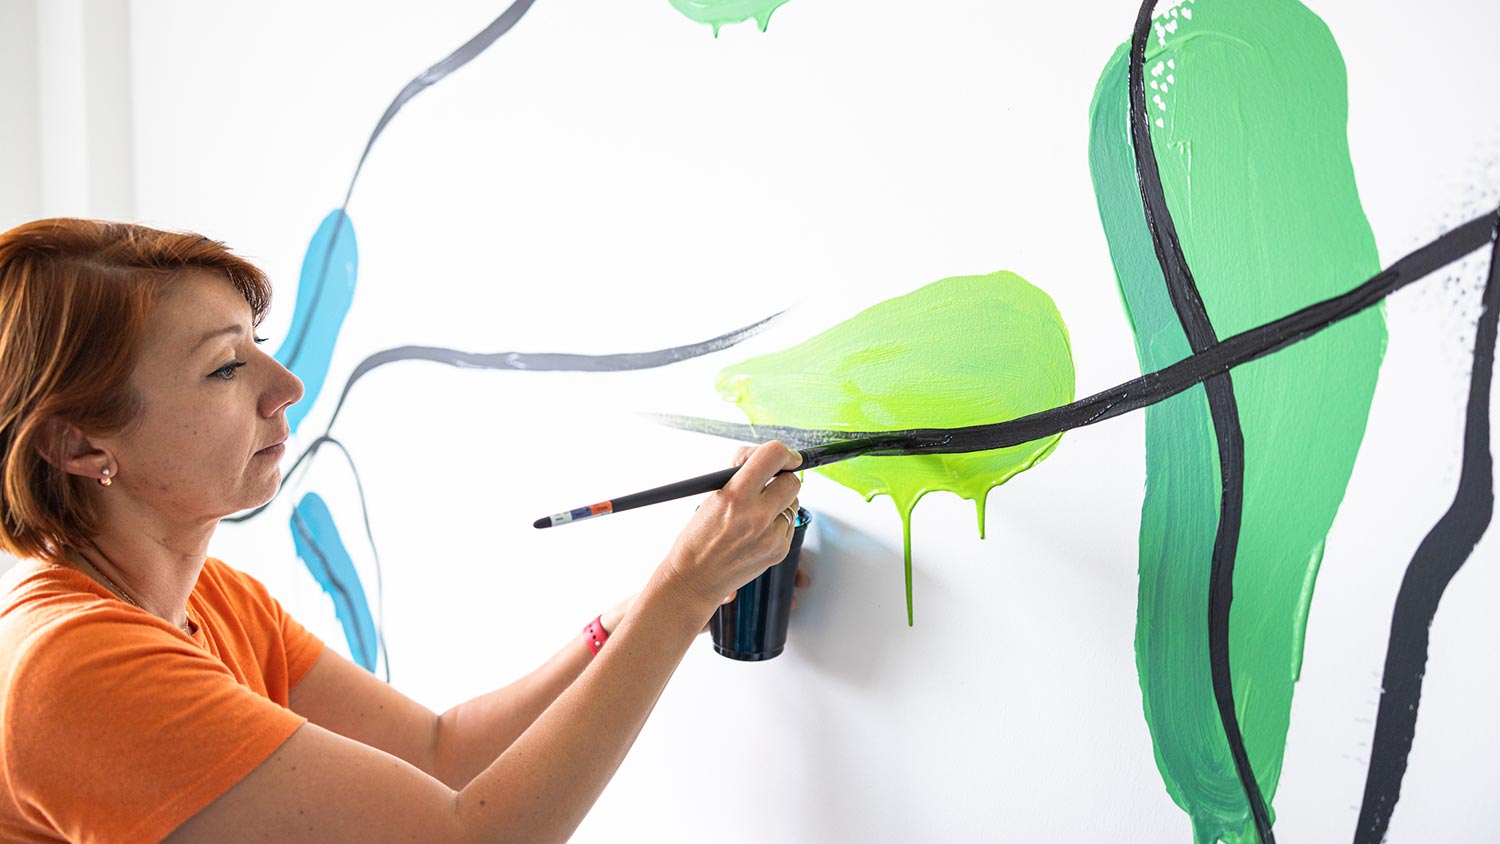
<point>694,604</point>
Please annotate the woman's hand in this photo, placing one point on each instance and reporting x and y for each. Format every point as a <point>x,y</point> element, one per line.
<point>738,531</point>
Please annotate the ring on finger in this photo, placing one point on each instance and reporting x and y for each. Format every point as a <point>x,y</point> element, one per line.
<point>785,515</point>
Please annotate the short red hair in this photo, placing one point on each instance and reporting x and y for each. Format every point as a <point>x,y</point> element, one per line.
<point>75,296</point>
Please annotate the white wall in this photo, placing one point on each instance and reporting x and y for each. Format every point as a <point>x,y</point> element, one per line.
<point>66,143</point>
<point>679,186</point>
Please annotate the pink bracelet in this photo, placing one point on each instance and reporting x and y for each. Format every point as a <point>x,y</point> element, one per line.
<point>594,635</point>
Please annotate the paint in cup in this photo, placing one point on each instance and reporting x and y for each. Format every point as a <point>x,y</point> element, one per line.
<point>753,626</point>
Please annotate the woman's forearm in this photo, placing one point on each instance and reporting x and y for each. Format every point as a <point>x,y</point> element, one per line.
<point>472,734</point>
<point>543,784</point>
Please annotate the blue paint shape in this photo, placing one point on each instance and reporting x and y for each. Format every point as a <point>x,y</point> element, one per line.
<point>322,551</point>
<point>325,290</point>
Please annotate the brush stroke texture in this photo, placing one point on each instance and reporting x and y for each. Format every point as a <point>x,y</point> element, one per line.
<point>1442,553</point>
<point>1004,353</point>
<point>549,361</point>
<point>1192,316</point>
<point>317,541</point>
<point>325,292</point>
<point>717,13</point>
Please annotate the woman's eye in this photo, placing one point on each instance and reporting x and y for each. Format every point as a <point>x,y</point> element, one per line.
<point>226,372</point>
<point>261,339</point>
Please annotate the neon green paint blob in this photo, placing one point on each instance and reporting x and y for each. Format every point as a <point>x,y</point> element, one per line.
<point>968,350</point>
<point>719,12</point>
<point>1247,106</point>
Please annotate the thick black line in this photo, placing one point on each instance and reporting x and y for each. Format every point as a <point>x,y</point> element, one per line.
<point>1442,553</point>
<point>1193,316</point>
<point>1249,345</point>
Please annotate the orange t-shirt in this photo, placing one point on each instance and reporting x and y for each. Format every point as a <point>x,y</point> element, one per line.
<point>117,726</point>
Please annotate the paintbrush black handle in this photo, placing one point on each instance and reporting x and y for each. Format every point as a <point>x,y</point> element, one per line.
<point>811,458</point>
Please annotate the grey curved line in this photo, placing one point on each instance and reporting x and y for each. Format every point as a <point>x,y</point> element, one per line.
<point>453,61</point>
<point>548,361</point>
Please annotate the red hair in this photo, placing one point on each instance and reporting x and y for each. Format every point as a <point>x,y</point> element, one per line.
<point>75,296</point>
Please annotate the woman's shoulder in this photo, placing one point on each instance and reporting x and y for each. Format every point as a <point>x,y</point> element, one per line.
<point>36,595</point>
<point>56,632</point>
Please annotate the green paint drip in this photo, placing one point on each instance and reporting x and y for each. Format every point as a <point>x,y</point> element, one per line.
<point>719,12</point>
<point>1247,105</point>
<point>968,350</point>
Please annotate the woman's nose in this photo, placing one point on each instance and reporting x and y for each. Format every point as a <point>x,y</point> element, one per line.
<point>285,389</point>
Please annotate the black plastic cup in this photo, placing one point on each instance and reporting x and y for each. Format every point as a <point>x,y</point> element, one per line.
<point>753,626</point>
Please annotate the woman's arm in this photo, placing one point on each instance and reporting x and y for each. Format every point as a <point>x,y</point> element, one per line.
<point>340,696</point>
<point>320,786</point>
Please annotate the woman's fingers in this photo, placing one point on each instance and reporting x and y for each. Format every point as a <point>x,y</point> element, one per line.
<point>802,581</point>
<point>763,464</point>
<point>742,454</point>
<point>781,492</point>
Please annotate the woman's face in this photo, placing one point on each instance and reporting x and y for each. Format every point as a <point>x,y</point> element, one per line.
<point>213,402</point>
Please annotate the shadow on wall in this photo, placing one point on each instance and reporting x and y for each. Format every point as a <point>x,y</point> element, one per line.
<point>844,639</point>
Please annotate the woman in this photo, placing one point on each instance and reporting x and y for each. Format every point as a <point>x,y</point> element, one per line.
<point>150,692</point>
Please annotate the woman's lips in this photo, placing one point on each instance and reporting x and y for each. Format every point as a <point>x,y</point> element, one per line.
<point>272,451</point>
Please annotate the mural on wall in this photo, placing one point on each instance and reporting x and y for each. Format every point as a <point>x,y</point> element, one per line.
<point>325,292</point>
<point>1246,265</point>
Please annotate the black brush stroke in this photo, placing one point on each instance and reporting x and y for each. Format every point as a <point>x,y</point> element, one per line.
<point>1249,345</point>
<point>455,60</point>
<point>1222,407</point>
<point>1442,553</point>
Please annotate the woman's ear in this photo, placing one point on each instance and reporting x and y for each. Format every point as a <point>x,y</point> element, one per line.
<point>66,447</point>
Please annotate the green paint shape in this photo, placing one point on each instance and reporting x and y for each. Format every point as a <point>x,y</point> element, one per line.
<point>719,12</point>
<point>1247,105</point>
<point>968,350</point>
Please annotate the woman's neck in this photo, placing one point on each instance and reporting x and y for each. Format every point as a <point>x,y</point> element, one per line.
<point>151,568</point>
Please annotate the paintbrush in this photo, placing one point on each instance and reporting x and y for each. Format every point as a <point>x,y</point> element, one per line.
<point>811,459</point>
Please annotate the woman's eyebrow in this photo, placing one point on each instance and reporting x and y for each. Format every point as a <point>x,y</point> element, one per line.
<point>228,329</point>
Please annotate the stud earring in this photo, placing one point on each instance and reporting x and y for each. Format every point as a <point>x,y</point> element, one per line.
<point>106,480</point>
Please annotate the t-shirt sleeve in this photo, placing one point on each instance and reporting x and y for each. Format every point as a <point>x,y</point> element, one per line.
<point>301,647</point>
<point>117,731</point>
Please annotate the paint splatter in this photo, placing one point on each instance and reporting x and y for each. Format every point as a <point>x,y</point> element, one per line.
<point>717,13</point>
<point>1246,110</point>
<point>961,351</point>
<point>317,541</point>
<point>325,291</point>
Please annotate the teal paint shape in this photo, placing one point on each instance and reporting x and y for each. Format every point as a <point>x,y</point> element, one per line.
<point>1248,107</point>
<point>321,549</point>
<point>717,13</point>
<point>323,300</point>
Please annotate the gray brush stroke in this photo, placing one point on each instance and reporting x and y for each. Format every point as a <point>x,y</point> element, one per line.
<point>455,60</point>
<point>549,361</point>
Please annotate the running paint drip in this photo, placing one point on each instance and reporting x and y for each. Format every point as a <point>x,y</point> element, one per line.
<point>719,12</point>
<point>962,351</point>
<point>1246,106</point>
